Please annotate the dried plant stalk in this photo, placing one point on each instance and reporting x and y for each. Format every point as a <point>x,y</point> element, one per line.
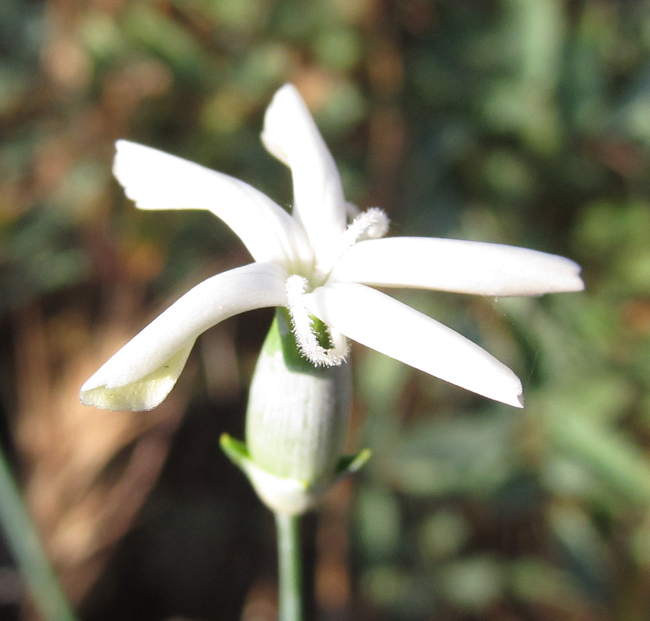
<point>86,472</point>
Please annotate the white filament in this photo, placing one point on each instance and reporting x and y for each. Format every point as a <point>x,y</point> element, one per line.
<point>303,328</point>
<point>370,224</point>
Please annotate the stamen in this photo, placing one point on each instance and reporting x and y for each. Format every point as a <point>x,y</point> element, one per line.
<point>370,224</point>
<point>303,328</point>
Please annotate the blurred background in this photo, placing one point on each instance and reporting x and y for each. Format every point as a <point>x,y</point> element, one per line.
<point>512,121</point>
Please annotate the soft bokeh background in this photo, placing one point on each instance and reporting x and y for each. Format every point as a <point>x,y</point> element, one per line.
<point>515,121</point>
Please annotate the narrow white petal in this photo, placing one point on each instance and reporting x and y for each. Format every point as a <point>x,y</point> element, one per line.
<point>141,374</point>
<point>458,266</point>
<point>143,394</point>
<point>399,331</point>
<point>291,135</point>
<point>157,180</point>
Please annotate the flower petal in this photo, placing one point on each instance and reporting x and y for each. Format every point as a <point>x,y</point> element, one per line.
<point>157,180</point>
<point>141,374</point>
<point>291,135</point>
<point>399,331</point>
<point>458,266</point>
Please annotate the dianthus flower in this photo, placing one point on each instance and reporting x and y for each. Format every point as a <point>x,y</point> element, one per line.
<point>318,266</point>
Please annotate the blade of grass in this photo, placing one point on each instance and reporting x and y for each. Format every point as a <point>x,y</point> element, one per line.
<point>28,552</point>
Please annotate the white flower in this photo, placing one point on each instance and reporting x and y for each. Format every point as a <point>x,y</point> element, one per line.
<point>316,265</point>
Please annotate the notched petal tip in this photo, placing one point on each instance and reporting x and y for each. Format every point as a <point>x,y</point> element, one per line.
<point>556,274</point>
<point>574,281</point>
<point>510,393</point>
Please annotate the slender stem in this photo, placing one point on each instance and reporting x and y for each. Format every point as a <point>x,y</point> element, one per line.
<point>290,567</point>
<point>28,553</point>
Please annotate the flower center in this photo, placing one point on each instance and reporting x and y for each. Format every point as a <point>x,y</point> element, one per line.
<point>319,343</point>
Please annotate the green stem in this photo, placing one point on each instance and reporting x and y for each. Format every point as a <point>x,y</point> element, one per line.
<point>290,567</point>
<point>28,553</point>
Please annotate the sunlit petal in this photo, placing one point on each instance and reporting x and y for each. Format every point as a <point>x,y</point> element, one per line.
<point>291,135</point>
<point>141,374</point>
<point>458,266</point>
<point>392,328</point>
<point>157,180</point>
